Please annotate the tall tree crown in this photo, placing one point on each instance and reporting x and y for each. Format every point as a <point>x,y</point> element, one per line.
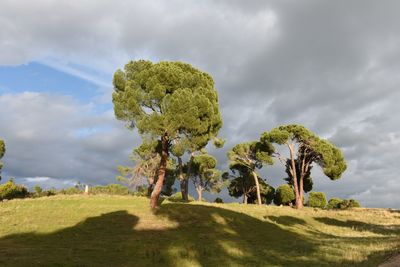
<point>170,98</point>
<point>311,148</point>
<point>250,155</point>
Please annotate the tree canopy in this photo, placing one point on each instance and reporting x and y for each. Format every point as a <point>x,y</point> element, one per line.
<point>305,149</point>
<point>171,102</point>
<point>248,157</point>
<point>204,174</point>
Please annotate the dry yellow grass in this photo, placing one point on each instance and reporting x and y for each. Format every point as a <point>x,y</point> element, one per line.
<point>123,231</point>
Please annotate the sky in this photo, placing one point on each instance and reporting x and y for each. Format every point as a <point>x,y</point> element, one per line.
<point>332,66</point>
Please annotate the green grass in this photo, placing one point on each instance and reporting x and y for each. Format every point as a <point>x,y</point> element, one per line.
<point>122,231</point>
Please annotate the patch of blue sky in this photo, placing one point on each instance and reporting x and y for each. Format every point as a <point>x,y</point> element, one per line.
<point>37,77</point>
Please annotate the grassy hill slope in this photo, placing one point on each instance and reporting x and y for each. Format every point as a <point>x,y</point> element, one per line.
<point>122,231</point>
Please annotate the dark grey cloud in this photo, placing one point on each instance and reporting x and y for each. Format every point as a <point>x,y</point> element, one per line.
<point>330,65</point>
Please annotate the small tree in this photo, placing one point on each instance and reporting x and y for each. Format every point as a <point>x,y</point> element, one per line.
<point>242,184</point>
<point>167,101</point>
<point>2,152</point>
<point>248,157</point>
<point>284,195</point>
<point>205,176</point>
<point>305,149</point>
<point>317,200</point>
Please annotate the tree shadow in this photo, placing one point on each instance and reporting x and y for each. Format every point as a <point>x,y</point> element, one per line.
<point>286,220</point>
<point>201,236</point>
<point>361,226</point>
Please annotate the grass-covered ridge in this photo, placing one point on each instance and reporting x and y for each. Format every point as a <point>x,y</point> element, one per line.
<point>123,231</point>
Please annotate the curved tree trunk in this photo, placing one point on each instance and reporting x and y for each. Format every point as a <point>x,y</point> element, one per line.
<point>161,173</point>
<point>199,194</point>
<point>257,187</point>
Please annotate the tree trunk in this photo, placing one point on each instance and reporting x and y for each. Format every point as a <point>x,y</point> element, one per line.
<point>186,183</point>
<point>244,198</point>
<point>182,181</point>
<point>299,202</point>
<point>199,194</point>
<point>257,187</point>
<point>161,173</point>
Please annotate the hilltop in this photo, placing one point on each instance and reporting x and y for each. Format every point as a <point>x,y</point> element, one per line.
<point>106,230</point>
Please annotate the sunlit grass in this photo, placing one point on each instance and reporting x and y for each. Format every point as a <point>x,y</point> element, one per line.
<point>123,231</point>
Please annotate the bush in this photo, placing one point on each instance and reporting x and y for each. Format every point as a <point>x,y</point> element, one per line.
<point>284,195</point>
<point>337,203</point>
<point>351,203</point>
<point>177,197</point>
<point>10,190</point>
<point>218,200</point>
<point>110,189</point>
<point>70,191</point>
<point>334,203</point>
<point>317,200</point>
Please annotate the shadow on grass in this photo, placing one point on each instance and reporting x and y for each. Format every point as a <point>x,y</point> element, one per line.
<point>286,220</point>
<point>361,226</point>
<point>204,236</point>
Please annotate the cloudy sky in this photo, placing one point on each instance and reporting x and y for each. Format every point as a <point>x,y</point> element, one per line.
<point>333,66</point>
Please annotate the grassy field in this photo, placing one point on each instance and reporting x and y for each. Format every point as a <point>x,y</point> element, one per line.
<point>122,231</point>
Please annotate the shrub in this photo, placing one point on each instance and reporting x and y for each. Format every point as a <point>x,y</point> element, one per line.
<point>337,203</point>
<point>10,190</point>
<point>334,203</point>
<point>218,200</point>
<point>354,203</point>
<point>110,189</point>
<point>317,200</point>
<point>177,197</point>
<point>351,203</point>
<point>284,195</point>
<point>70,191</point>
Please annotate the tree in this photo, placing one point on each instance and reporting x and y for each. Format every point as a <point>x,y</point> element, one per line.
<point>284,195</point>
<point>2,152</point>
<point>307,181</point>
<point>248,157</point>
<point>205,176</point>
<point>243,185</point>
<point>310,150</point>
<point>146,169</point>
<point>167,102</point>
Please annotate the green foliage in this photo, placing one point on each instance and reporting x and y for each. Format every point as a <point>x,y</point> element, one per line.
<point>71,191</point>
<point>110,189</point>
<point>218,200</point>
<point>177,197</point>
<point>170,98</point>
<point>38,189</point>
<point>242,184</point>
<point>338,203</point>
<point>317,200</point>
<point>250,155</point>
<point>204,174</point>
<point>334,203</point>
<point>312,149</point>
<point>39,192</point>
<point>347,204</point>
<point>2,152</point>
<point>10,190</point>
<point>284,195</point>
<point>307,180</point>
